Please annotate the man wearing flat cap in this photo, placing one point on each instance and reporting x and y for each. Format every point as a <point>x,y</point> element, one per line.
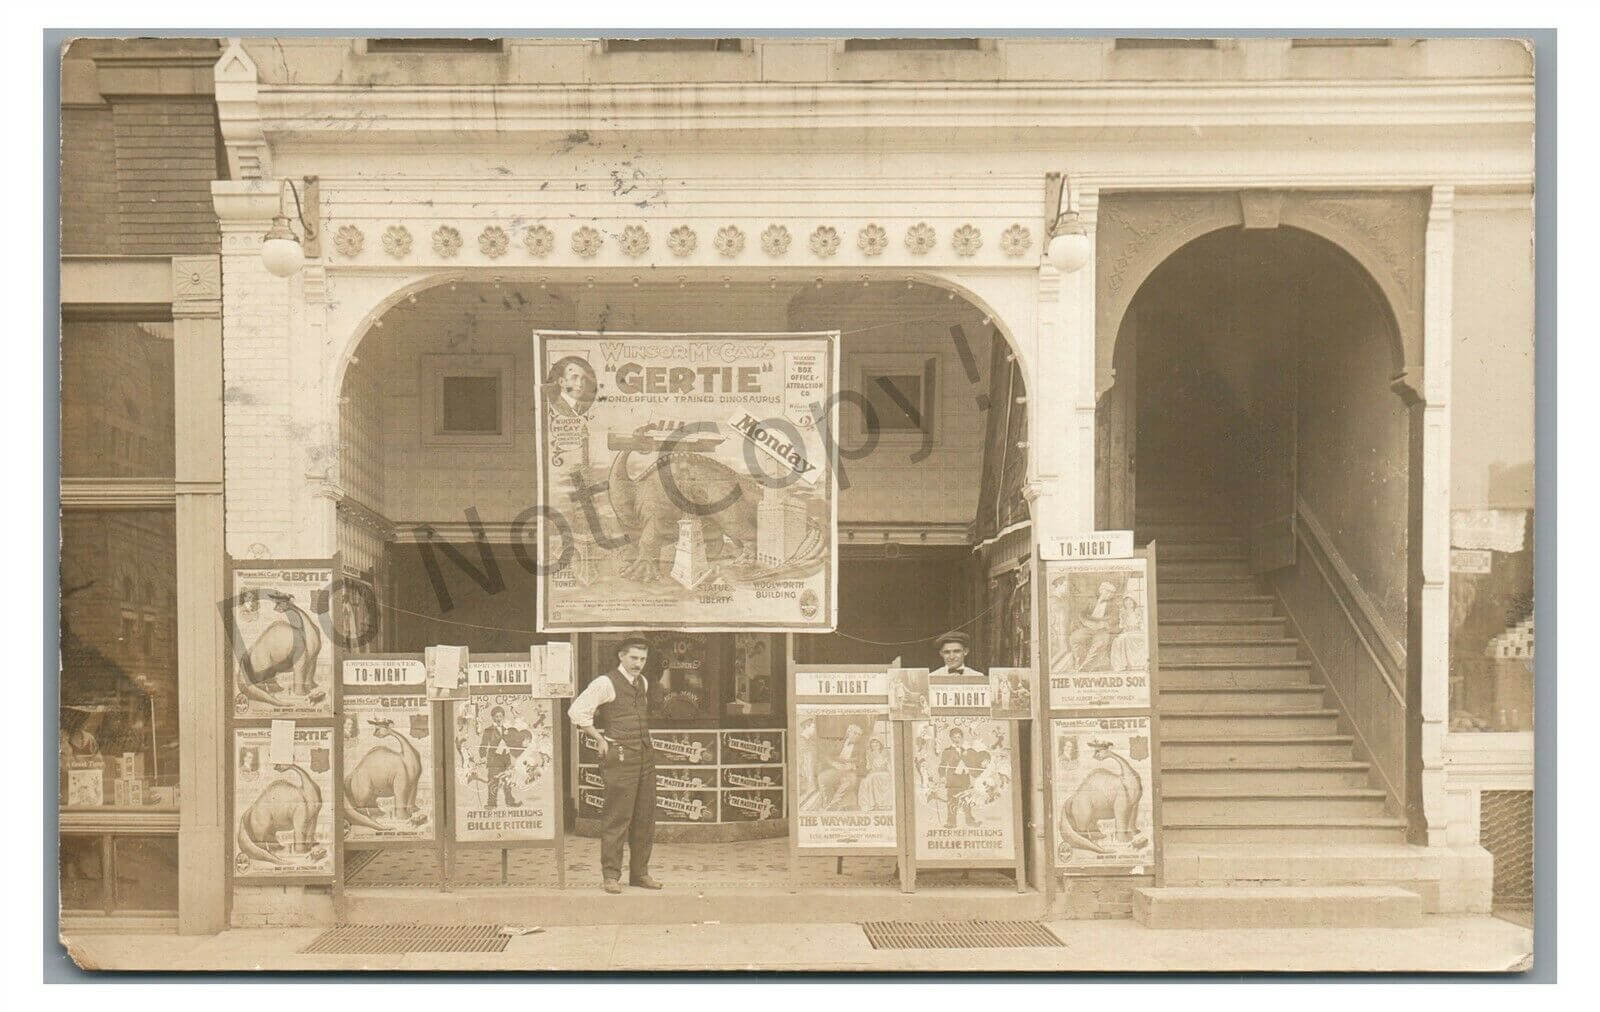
<point>953,648</point>
<point>615,712</point>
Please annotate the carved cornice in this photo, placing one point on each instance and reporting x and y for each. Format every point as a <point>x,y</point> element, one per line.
<point>118,493</point>
<point>239,115</point>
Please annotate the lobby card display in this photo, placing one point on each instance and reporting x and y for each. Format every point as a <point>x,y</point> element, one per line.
<point>1102,806</point>
<point>1011,693</point>
<point>753,746</point>
<point>844,793</point>
<point>281,644</point>
<point>964,801</point>
<point>1099,634</point>
<point>283,812</point>
<point>719,511</point>
<point>388,791</point>
<point>745,805</point>
<point>504,762</point>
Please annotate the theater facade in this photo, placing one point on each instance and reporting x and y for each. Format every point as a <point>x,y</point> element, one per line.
<point>1249,300</point>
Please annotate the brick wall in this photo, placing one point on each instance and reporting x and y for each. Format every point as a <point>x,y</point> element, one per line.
<point>281,906</point>
<point>1083,899</point>
<point>88,182</point>
<point>166,158</point>
<point>263,450</point>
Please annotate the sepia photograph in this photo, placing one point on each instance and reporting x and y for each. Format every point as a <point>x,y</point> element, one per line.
<point>819,502</point>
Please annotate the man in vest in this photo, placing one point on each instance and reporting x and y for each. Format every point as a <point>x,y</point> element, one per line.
<point>615,712</point>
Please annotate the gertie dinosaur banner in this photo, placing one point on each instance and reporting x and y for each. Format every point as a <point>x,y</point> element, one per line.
<point>687,481</point>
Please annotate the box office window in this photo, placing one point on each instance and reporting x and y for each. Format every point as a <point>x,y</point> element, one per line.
<point>116,399</point>
<point>466,400</point>
<point>900,391</point>
<point>470,405</point>
<point>118,737</point>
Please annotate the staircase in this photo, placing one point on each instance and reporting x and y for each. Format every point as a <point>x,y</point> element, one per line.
<point>1268,818</point>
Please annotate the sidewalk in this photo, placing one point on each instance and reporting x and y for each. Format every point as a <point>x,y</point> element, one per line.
<point>1478,943</point>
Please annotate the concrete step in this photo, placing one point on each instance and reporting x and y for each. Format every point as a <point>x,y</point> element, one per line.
<point>1248,723</point>
<point>1212,549</point>
<point>1229,674</point>
<point>1182,778</point>
<point>1170,587</point>
<point>1256,750</point>
<point>1189,630</point>
<point>1202,569</point>
<point>1271,697</point>
<point>1235,651</point>
<point>1214,609</point>
<point>1275,829</point>
<point>1205,907</point>
<point>1226,802</point>
<point>1446,878</point>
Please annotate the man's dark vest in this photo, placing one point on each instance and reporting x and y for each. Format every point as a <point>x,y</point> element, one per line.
<point>626,719</point>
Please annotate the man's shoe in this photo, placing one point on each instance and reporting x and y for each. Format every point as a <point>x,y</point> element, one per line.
<point>645,882</point>
<point>612,886</point>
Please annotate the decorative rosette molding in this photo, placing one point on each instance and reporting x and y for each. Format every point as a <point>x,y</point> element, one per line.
<point>634,241</point>
<point>682,241</point>
<point>1015,240</point>
<point>729,241</point>
<point>348,240</point>
<point>397,241</point>
<point>586,241</point>
<point>539,240</point>
<point>446,241</point>
<point>920,238</point>
<point>966,241</point>
<point>824,242</point>
<point>775,240</point>
<point>872,240</point>
<point>493,242</point>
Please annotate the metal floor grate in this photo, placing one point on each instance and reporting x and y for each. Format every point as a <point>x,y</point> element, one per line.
<point>351,939</point>
<point>960,935</point>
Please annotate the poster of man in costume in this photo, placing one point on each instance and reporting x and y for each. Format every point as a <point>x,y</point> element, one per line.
<point>282,811</point>
<point>388,768</point>
<point>281,650</point>
<point>963,799</point>
<point>688,482</point>
<point>1099,635</point>
<point>845,797</point>
<point>504,770</point>
<point>1102,804</point>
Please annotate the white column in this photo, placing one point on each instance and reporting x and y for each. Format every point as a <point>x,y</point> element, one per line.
<point>1435,475</point>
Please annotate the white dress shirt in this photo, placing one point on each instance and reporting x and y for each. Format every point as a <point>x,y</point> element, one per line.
<point>598,693</point>
<point>942,671</point>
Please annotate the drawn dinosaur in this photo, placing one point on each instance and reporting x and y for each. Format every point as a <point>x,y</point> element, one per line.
<point>1102,795</point>
<point>649,510</point>
<point>281,805</point>
<point>290,644</point>
<point>383,772</point>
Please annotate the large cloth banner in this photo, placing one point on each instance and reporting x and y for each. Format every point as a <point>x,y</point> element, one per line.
<point>1104,812</point>
<point>686,482</point>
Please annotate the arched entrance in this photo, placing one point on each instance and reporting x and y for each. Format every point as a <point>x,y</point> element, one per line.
<point>1254,431</point>
<point>438,460</point>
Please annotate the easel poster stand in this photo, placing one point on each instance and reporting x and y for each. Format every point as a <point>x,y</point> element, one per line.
<point>376,690</point>
<point>842,696</point>
<point>1136,704</point>
<point>504,680</point>
<point>281,641</point>
<point>934,817</point>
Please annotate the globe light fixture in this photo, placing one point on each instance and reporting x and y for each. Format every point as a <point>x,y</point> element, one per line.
<point>281,251</point>
<point>1069,247</point>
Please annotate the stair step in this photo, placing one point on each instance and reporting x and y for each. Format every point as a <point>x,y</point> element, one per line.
<point>1327,829</point>
<point>1205,907</point>
<point>1201,549</point>
<point>1230,674</point>
<point>1162,532</point>
<point>1230,804</point>
<point>1273,696</point>
<point>1217,608</point>
<point>1191,630</point>
<point>1235,651</point>
<point>1255,749</point>
<point>1174,587</point>
<point>1194,777</point>
<point>1245,723</point>
<point>1206,569</point>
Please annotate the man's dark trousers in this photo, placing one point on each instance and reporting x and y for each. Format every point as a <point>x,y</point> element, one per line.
<point>630,810</point>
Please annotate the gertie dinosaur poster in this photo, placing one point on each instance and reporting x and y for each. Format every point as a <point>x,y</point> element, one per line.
<point>686,481</point>
<point>1103,808</point>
